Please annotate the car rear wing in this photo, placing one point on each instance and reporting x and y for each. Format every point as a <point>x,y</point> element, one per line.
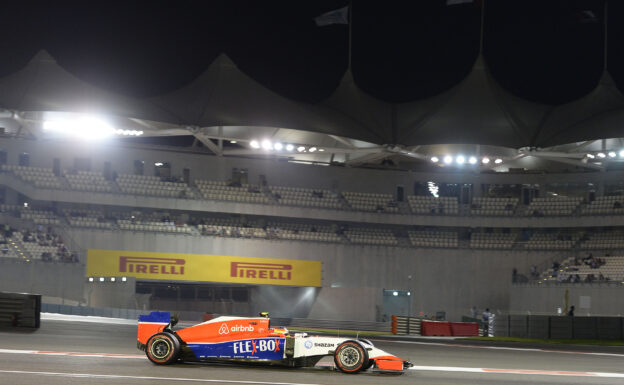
<point>150,324</point>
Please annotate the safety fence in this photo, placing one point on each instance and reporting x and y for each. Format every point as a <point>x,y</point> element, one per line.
<point>417,326</point>
<point>559,327</point>
<point>20,310</point>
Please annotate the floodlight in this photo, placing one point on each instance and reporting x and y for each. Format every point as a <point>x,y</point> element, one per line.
<point>448,159</point>
<point>101,279</point>
<point>124,279</point>
<point>233,141</point>
<point>472,160</point>
<point>312,149</point>
<point>254,144</point>
<point>590,156</point>
<point>112,279</point>
<point>84,127</point>
<point>266,144</point>
<point>300,149</point>
<point>485,160</point>
<point>90,279</point>
<point>278,146</point>
<point>321,149</point>
<point>409,293</point>
<point>621,153</point>
<point>289,147</point>
<point>435,159</point>
<point>498,161</point>
<point>25,204</point>
<point>158,164</point>
<point>611,154</point>
<point>601,155</point>
<point>395,293</point>
<point>460,159</point>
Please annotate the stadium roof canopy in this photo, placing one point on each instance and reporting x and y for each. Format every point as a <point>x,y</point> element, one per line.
<point>477,116</point>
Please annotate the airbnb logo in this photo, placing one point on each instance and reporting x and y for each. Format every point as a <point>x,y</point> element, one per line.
<point>224,329</point>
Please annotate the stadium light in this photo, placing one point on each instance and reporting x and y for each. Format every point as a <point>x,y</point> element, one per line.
<point>485,160</point>
<point>90,279</point>
<point>448,159</point>
<point>266,144</point>
<point>612,154</point>
<point>590,156</point>
<point>395,293</point>
<point>621,153</point>
<point>112,279</point>
<point>254,144</point>
<point>233,141</point>
<point>409,293</point>
<point>460,159</point>
<point>321,149</point>
<point>472,160</point>
<point>498,161</point>
<point>312,149</point>
<point>290,147</point>
<point>601,155</point>
<point>301,149</point>
<point>101,279</point>
<point>435,159</point>
<point>124,279</point>
<point>278,146</point>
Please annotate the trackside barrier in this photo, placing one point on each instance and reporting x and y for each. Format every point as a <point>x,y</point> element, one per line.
<point>435,328</point>
<point>20,310</point>
<point>406,325</point>
<point>464,329</point>
<point>559,327</point>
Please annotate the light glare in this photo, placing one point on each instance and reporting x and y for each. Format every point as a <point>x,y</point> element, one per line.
<point>472,160</point>
<point>485,160</point>
<point>448,159</point>
<point>266,144</point>
<point>289,147</point>
<point>498,161</point>
<point>601,155</point>
<point>300,149</point>
<point>611,154</point>
<point>278,146</point>
<point>435,159</point>
<point>312,149</point>
<point>460,159</point>
<point>254,144</point>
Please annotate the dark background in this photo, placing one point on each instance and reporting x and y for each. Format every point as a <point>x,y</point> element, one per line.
<point>542,50</point>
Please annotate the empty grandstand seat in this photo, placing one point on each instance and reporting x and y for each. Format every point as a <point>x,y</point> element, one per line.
<point>371,201</point>
<point>374,236</point>
<point>300,196</point>
<point>40,177</point>
<point>153,185</point>
<point>432,205</point>
<point>433,238</point>
<point>607,205</point>
<point>553,206</point>
<point>302,231</point>
<point>221,190</point>
<point>493,206</point>
<point>492,240</point>
<point>564,241</point>
<point>87,181</point>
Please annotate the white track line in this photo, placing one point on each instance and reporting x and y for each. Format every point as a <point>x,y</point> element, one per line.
<point>505,348</point>
<point>73,354</point>
<point>167,379</point>
<point>517,371</point>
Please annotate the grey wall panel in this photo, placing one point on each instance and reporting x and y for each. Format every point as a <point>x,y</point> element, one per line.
<point>538,327</point>
<point>519,326</point>
<point>609,327</point>
<point>561,327</point>
<point>585,327</point>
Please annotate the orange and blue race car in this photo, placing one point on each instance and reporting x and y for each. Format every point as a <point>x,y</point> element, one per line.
<point>245,340</point>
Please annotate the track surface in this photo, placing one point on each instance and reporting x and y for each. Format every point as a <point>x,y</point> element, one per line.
<point>58,353</point>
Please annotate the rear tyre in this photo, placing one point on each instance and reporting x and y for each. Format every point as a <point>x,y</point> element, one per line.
<point>350,357</point>
<point>163,349</point>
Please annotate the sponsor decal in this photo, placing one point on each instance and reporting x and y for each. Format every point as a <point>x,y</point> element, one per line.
<point>323,345</point>
<point>308,344</point>
<point>241,328</point>
<point>254,346</point>
<point>147,265</point>
<point>224,329</point>
<point>268,271</point>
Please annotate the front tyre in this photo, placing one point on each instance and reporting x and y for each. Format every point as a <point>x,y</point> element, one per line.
<point>350,357</point>
<point>163,348</point>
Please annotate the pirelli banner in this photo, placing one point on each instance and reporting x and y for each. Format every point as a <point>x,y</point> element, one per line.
<point>203,268</point>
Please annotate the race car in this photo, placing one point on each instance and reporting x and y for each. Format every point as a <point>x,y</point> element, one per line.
<point>253,340</point>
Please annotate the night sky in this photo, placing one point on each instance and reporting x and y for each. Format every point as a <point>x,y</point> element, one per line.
<point>542,50</point>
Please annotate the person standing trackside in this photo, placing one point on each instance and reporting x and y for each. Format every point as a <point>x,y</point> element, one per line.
<point>571,312</point>
<point>486,322</point>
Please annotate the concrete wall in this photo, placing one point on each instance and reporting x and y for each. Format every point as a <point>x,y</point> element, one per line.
<point>588,299</point>
<point>452,280</point>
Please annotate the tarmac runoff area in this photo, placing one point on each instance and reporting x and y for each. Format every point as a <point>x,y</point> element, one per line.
<point>93,350</point>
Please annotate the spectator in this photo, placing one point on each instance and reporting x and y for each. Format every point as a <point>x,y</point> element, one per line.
<point>571,312</point>
<point>486,322</point>
<point>474,312</point>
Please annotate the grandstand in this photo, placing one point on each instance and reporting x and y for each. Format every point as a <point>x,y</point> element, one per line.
<point>437,193</point>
